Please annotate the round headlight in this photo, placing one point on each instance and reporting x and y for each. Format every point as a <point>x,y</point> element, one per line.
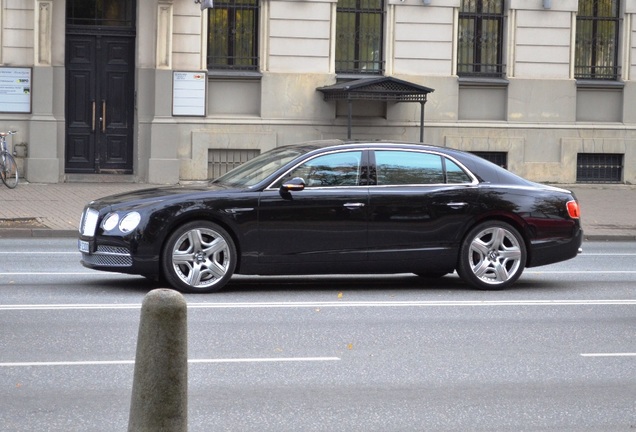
<point>129,222</point>
<point>110,221</point>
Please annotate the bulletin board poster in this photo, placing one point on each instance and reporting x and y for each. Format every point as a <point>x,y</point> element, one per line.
<point>15,90</point>
<point>189,91</point>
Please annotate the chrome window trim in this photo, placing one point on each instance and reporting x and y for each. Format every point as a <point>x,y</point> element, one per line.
<point>473,178</point>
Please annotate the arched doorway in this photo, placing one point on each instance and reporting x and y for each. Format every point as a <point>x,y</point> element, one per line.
<point>100,88</point>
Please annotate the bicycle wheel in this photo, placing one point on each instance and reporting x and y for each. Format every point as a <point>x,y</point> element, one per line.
<point>9,171</point>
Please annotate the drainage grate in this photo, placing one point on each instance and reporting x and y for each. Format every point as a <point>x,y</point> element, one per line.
<point>599,168</point>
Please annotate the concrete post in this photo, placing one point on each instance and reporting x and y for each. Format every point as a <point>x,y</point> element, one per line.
<point>159,396</point>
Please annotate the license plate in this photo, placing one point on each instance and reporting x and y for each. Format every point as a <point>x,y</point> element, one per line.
<point>83,246</point>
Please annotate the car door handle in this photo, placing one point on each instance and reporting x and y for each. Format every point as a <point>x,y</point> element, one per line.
<point>354,205</point>
<point>456,205</point>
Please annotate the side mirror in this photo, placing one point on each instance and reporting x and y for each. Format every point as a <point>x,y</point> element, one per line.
<point>293,185</point>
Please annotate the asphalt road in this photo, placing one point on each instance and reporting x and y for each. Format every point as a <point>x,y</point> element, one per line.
<point>557,352</point>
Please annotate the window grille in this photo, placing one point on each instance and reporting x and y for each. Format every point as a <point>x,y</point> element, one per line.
<point>498,158</point>
<point>222,161</point>
<point>597,26</point>
<point>360,36</point>
<point>104,13</point>
<point>480,38</point>
<point>599,168</point>
<point>233,35</point>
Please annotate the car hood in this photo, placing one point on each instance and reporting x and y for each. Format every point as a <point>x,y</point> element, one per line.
<point>151,196</point>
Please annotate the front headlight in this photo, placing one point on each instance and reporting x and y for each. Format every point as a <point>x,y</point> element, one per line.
<point>129,222</point>
<point>110,221</point>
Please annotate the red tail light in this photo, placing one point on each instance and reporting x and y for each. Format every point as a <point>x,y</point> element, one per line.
<point>573,209</point>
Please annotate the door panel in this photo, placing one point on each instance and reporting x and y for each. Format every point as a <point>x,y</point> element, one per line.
<point>326,222</point>
<point>80,96</point>
<point>313,226</point>
<point>421,225</point>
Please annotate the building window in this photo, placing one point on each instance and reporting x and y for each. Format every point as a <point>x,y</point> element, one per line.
<point>597,40</point>
<point>103,13</point>
<point>498,158</point>
<point>599,167</point>
<point>359,36</point>
<point>233,35</point>
<point>480,38</point>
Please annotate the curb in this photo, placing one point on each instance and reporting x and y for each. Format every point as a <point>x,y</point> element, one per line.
<point>37,233</point>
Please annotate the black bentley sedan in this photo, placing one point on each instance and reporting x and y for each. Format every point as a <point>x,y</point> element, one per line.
<point>335,207</point>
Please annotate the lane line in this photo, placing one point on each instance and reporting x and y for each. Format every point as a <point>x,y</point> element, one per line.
<point>192,361</point>
<point>331,304</point>
<point>608,354</point>
<point>102,274</point>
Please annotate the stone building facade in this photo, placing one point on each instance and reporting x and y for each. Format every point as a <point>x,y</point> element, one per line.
<point>134,92</point>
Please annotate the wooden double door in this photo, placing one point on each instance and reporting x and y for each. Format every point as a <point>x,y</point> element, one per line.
<point>100,102</point>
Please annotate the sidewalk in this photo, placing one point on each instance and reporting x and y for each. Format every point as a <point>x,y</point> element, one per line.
<point>53,210</point>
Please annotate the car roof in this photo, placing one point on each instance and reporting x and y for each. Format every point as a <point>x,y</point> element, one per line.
<point>485,170</point>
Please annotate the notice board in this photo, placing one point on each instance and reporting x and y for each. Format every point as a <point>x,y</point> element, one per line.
<point>15,90</point>
<point>189,91</point>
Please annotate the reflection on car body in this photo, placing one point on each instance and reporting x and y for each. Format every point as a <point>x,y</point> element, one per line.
<point>334,207</point>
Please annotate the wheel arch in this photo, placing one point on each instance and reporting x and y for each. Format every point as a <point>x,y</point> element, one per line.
<point>511,219</point>
<point>193,216</point>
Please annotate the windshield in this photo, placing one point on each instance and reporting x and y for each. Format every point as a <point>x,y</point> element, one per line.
<point>258,169</point>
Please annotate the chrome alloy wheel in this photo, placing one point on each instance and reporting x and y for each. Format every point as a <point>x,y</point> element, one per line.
<point>495,255</point>
<point>492,256</point>
<point>199,257</point>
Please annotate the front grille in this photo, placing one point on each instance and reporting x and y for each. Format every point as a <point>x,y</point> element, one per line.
<point>109,256</point>
<point>88,223</point>
<point>106,260</point>
<point>113,250</point>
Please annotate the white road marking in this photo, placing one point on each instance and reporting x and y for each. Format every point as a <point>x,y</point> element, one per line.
<point>101,275</point>
<point>608,354</point>
<point>193,361</point>
<point>330,304</point>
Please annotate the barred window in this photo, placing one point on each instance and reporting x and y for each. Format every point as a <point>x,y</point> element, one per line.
<point>359,36</point>
<point>480,38</point>
<point>233,35</point>
<point>599,167</point>
<point>597,25</point>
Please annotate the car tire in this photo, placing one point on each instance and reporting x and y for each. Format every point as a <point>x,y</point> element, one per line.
<point>199,257</point>
<point>492,256</point>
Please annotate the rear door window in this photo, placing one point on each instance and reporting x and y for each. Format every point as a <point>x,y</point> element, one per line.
<point>395,167</point>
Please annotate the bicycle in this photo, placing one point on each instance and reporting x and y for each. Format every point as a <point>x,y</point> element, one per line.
<point>8,167</point>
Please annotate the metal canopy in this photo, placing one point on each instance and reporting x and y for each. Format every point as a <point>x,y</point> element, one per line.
<point>380,89</point>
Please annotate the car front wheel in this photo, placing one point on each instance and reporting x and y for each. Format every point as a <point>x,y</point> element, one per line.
<point>492,256</point>
<point>199,257</point>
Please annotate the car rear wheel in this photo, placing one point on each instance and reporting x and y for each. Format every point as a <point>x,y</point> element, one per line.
<point>492,256</point>
<point>199,257</point>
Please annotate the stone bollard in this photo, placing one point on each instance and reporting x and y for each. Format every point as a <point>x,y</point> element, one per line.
<point>160,387</point>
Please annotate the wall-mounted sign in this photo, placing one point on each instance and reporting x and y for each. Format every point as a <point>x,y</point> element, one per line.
<point>15,90</point>
<point>189,90</point>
